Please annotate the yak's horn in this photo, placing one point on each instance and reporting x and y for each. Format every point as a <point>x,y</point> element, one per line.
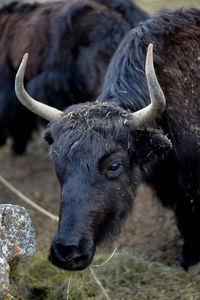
<point>158,103</point>
<point>41,109</point>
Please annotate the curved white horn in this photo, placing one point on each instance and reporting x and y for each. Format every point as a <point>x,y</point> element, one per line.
<point>47,112</point>
<point>158,102</point>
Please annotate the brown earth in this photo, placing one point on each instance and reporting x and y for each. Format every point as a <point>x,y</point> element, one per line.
<point>149,232</point>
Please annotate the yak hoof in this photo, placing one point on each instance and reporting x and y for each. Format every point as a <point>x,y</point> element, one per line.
<point>2,139</point>
<point>190,265</point>
<point>18,149</point>
<point>194,270</point>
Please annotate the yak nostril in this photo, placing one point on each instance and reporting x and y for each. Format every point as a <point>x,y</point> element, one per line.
<point>64,250</point>
<point>71,257</point>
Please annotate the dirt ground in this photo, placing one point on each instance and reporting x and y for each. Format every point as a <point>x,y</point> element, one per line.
<point>149,232</point>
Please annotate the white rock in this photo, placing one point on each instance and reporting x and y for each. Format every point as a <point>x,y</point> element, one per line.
<point>17,242</point>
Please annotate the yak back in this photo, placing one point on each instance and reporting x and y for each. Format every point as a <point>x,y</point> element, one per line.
<point>58,37</point>
<point>176,39</point>
<point>128,9</point>
<point>175,36</point>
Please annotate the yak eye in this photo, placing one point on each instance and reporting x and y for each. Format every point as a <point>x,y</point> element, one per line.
<point>114,166</point>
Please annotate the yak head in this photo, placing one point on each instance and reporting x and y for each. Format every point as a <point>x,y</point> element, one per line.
<point>96,149</point>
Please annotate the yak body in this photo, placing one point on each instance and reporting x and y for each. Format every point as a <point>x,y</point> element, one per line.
<point>176,39</point>
<point>70,44</point>
<point>97,153</point>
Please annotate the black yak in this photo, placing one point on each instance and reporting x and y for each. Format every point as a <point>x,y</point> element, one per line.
<point>101,150</point>
<point>70,45</point>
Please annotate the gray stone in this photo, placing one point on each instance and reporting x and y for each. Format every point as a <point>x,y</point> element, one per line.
<point>4,278</point>
<point>17,243</point>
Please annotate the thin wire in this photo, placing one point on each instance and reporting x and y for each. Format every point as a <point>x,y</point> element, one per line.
<point>27,200</point>
<point>99,284</point>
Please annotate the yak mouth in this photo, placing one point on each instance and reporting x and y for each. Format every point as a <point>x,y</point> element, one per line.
<point>77,262</point>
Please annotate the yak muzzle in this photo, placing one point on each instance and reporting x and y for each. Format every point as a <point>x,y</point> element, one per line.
<point>72,256</point>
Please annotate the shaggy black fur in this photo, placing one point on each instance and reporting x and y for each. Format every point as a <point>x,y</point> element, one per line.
<point>70,44</point>
<point>95,153</point>
<point>176,39</point>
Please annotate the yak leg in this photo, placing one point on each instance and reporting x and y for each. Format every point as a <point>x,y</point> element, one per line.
<point>2,135</point>
<point>16,121</point>
<point>179,190</point>
<point>21,127</point>
<point>187,208</point>
<point>187,211</point>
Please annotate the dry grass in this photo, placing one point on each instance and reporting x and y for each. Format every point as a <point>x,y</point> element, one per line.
<point>124,277</point>
<point>152,6</point>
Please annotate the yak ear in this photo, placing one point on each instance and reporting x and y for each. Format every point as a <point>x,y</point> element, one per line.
<point>48,137</point>
<point>149,143</point>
